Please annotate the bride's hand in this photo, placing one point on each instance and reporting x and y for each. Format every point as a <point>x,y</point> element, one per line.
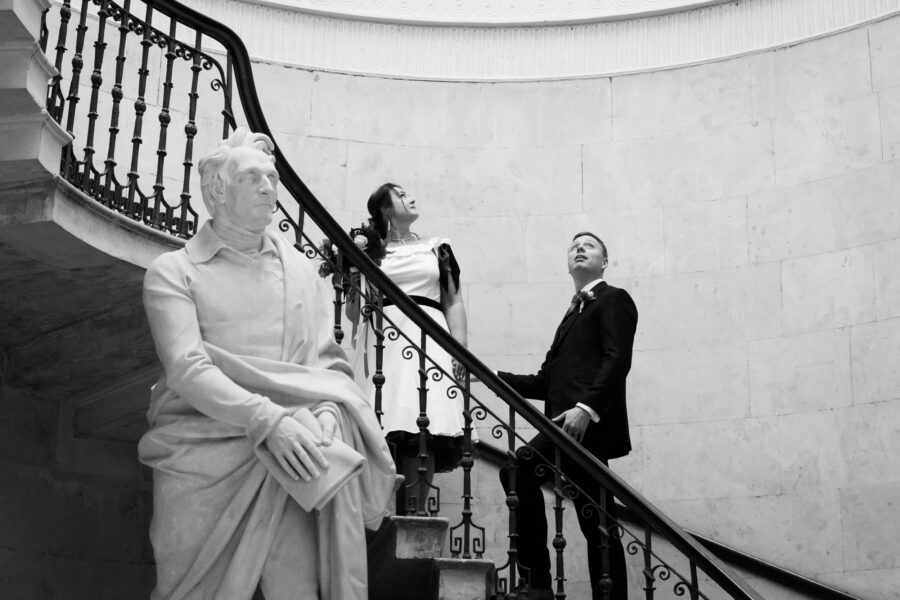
<point>459,371</point>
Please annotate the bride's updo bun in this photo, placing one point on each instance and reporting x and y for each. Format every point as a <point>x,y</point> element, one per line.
<point>378,202</point>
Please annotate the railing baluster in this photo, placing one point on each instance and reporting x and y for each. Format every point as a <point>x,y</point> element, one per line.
<point>96,81</point>
<point>228,122</point>
<point>422,499</point>
<point>464,545</point>
<point>378,330</point>
<point>77,65</point>
<point>559,540</point>
<point>45,33</point>
<point>55,99</point>
<point>137,209</point>
<point>112,190</point>
<point>512,503</point>
<point>156,220</point>
<point>695,584</point>
<point>337,282</point>
<point>186,226</point>
<point>606,581</point>
<point>649,577</point>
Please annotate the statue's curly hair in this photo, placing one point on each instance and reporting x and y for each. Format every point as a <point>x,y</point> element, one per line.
<point>212,165</point>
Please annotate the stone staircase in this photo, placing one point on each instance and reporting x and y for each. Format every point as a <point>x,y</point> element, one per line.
<point>406,563</point>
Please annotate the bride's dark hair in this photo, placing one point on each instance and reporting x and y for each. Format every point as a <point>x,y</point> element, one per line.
<point>378,201</point>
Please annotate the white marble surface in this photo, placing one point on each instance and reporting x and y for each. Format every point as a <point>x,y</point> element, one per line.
<point>718,389</point>
<point>820,143</point>
<point>714,459</point>
<point>828,290</point>
<point>695,98</point>
<point>559,113</point>
<point>875,347</point>
<point>889,104</point>
<point>681,168</point>
<point>800,374</point>
<point>870,539</point>
<point>706,236</point>
<point>824,73</point>
<point>886,257</point>
<point>824,215</point>
<point>702,309</point>
<point>884,48</point>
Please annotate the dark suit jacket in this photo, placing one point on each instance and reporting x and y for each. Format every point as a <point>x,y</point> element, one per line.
<point>588,362</point>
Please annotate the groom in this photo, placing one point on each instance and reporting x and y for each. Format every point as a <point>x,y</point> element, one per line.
<point>583,380</point>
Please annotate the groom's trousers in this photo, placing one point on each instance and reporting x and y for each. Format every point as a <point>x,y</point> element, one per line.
<point>531,473</point>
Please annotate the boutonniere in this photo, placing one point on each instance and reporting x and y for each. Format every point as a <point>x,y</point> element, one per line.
<point>584,298</point>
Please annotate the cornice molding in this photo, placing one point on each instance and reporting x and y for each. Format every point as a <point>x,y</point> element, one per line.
<point>486,12</point>
<point>512,52</point>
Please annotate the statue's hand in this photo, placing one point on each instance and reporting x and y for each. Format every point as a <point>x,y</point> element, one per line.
<point>329,425</point>
<point>296,449</point>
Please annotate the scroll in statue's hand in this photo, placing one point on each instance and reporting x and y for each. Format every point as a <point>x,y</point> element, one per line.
<point>295,447</point>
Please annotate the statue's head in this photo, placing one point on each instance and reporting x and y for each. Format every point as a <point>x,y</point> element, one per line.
<point>238,180</point>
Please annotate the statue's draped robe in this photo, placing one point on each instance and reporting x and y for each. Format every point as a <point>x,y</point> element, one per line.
<point>245,341</point>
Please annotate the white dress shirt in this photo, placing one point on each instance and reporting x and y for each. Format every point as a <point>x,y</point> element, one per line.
<point>593,413</point>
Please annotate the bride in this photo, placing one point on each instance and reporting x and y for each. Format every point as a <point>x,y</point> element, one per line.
<point>427,271</point>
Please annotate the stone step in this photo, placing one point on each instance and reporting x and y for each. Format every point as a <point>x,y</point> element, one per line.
<point>420,537</point>
<point>21,19</point>
<point>464,579</point>
<point>37,151</point>
<point>24,75</point>
<point>405,563</point>
<point>402,558</point>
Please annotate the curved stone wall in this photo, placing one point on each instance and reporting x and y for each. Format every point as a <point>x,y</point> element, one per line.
<point>750,207</point>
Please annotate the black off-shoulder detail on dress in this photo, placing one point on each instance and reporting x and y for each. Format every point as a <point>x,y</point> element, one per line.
<point>446,450</point>
<point>447,266</point>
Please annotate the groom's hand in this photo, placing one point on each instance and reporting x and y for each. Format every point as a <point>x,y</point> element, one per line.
<point>296,450</point>
<point>574,422</point>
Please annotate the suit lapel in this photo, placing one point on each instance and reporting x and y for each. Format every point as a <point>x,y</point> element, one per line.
<point>563,327</point>
<point>569,321</point>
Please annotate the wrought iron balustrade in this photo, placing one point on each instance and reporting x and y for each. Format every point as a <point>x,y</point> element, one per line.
<point>155,57</point>
<point>174,52</point>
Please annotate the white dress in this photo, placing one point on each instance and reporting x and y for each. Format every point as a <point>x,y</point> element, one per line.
<point>415,268</point>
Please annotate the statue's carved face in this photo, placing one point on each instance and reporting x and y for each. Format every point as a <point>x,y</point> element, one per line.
<point>250,194</point>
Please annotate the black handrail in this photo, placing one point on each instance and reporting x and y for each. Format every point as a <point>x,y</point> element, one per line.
<point>246,87</point>
<point>742,560</point>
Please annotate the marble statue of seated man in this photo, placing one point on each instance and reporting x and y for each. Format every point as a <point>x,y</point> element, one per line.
<point>254,395</point>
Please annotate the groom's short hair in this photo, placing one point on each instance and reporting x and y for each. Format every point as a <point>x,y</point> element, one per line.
<point>596,237</point>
